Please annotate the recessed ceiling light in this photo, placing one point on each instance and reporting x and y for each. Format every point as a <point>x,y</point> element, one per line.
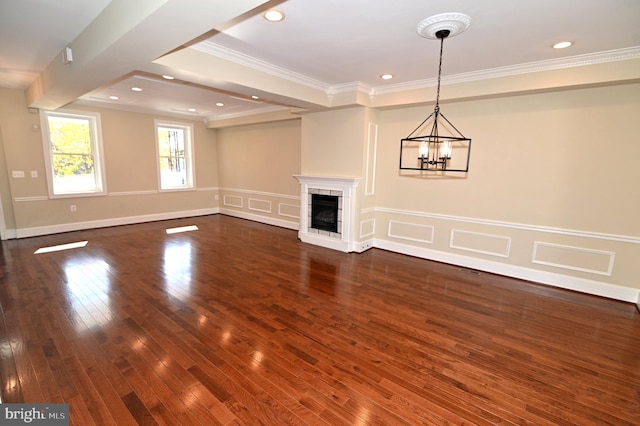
<point>273,15</point>
<point>562,44</point>
<point>387,76</point>
<point>113,98</point>
<point>255,97</point>
<point>136,89</point>
<point>192,110</point>
<point>219,104</point>
<point>168,77</point>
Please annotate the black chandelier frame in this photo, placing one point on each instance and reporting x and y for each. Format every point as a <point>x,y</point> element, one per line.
<point>434,150</point>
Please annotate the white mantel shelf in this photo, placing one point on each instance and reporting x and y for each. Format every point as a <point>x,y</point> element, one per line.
<point>344,184</point>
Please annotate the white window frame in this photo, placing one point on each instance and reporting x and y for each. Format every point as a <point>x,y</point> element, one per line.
<point>96,149</point>
<point>189,155</point>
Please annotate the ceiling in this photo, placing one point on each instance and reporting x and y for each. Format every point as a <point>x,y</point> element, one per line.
<point>220,54</point>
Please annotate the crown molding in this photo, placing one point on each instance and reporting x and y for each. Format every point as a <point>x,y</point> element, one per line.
<point>512,70</point>
<point>354,86</point>
<point>259,65</point>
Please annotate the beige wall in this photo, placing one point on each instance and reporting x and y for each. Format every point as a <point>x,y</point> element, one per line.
<point>257,163</point>
<point>566,159</point>
<point>130,163</point>
<point>260,157</point>
<point>332,142</point>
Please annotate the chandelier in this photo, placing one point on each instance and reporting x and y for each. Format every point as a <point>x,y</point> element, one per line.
<point>444,149</point>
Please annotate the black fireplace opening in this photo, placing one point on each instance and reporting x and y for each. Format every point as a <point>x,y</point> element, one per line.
<point>324,212</point>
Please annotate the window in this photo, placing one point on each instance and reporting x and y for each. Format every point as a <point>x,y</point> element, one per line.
<point>73,153</point>
<point>175,155</point>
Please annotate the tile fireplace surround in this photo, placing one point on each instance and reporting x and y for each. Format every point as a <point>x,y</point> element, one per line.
<point>343,187</point>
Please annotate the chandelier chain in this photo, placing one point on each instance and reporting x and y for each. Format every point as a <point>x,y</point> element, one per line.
<point>439,74</point>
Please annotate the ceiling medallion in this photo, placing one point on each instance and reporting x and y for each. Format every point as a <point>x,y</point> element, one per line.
<point>454,22</point>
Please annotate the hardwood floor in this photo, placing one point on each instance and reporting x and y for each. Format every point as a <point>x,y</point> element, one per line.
<point>239,323</point>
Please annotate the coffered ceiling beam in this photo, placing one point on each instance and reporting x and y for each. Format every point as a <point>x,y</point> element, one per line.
<point>125,37</point>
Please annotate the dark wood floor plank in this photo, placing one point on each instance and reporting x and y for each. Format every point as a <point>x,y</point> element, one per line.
<point>138,410</point>
<point>239,323</point>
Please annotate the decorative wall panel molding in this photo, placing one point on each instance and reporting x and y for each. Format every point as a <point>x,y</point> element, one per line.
<point>372,152</point>
<point>28,199</point>
<point>263,206</point>
<point>411,231</point>
<point>289,210</point>
<point>260,218</point>
<point>495,245</point>
<point>261,193</point>
<point>521,226</point>
<point>574,258</point>
<point>367,228</point>
<point>232,201</point>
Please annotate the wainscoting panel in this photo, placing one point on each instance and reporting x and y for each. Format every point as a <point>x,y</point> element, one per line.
<point>586,261</point>
<point>259,206</point>
<point>232,201</point>
<point>574,258</point>
<point>367,228</point>
<point>495,245</point>
<point>411,231</point>
<point>263,206</point>
<point>289,210</point>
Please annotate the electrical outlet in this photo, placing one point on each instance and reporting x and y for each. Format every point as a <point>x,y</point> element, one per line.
<point>73,208</point>
<point>34,173</point>
<point>17,174</point>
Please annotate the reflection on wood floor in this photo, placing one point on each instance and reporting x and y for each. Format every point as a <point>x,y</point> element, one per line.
<point>239,323</point>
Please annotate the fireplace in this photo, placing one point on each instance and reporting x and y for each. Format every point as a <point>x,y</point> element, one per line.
<point>324,212</point>
<point>327,211</point>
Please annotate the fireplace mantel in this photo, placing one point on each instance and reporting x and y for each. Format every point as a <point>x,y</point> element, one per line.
<point>346,186</point>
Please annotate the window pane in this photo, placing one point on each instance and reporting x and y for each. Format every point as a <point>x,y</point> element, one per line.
<point>73,173</point>
<point>73,146</point>
<point>70,135</point>
<point>170,142</point>
<point>175,163</point>
<point>173,172</point>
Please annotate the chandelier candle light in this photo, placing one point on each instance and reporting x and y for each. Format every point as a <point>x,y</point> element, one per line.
<point>435,151</point>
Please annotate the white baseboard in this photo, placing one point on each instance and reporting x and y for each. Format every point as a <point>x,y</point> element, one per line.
<point>129,220</point>
<point>10,234</point>
<point>362,246</point>
<point>262,219</point>
<point>598,288</point>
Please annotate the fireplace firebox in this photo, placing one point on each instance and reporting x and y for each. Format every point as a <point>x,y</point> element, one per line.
<point>324,212</point>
